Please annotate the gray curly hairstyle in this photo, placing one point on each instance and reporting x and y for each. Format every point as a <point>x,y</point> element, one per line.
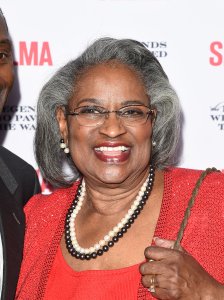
<point>60,88</point>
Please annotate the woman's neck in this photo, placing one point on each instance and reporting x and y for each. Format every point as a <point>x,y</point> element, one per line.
<point>110,199</point>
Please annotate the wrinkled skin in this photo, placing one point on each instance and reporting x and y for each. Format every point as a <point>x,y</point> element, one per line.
<point>178,274</point>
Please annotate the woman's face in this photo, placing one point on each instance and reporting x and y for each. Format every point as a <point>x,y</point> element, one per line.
<point>96,151</point>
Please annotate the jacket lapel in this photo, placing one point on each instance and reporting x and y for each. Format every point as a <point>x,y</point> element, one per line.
<point>11,227</point>
<point>7,177</point>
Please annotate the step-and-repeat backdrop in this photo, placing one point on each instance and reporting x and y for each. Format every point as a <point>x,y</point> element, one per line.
<point>187,36</point>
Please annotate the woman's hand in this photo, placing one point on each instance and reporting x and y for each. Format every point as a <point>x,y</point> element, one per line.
<point>174,274</point>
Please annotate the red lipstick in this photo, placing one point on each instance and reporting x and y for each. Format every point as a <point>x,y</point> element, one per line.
<point>112,152</point>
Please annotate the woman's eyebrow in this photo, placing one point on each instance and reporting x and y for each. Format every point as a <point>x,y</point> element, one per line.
<point>99,102</point>
<point>89,100</point>
<point>132,102</point>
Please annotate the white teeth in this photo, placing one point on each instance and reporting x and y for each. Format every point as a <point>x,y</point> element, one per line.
<point>118,148</point>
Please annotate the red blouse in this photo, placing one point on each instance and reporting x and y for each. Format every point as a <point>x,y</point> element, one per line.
<point>203,237</point>
<point>65,283</point>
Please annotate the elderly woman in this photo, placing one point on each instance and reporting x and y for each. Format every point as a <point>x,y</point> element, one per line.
<point>107,231</point>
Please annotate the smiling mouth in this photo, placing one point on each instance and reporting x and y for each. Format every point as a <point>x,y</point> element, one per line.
<point>112,150</point>
<point>116,154</point>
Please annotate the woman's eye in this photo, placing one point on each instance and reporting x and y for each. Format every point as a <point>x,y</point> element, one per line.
<point>132,112</point>
<point>90,110</point>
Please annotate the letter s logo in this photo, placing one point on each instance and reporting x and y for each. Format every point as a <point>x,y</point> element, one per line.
<point>216,60</point>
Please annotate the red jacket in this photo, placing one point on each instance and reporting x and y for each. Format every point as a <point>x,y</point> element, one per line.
<point>203,237</point>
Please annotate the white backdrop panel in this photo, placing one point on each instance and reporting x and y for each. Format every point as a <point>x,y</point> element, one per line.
<point>187,37</point>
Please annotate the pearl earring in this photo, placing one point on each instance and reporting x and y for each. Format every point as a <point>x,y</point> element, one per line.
<point>63,146</point>
<point>153,143</point>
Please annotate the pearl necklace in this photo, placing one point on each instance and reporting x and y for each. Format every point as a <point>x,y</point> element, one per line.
<point>113,235</point>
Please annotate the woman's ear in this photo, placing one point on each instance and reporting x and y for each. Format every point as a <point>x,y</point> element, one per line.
<point>62,122</point>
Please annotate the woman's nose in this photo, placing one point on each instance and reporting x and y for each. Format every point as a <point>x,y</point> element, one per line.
<point>112,125</point>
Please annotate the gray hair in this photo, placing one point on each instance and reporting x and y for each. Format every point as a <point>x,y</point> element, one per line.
<point>60,88</point>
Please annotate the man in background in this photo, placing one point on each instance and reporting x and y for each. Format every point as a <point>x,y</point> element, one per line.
<point>18,182</point>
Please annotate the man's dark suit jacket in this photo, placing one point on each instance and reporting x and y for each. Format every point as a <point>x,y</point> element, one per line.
<point>18,183</point>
